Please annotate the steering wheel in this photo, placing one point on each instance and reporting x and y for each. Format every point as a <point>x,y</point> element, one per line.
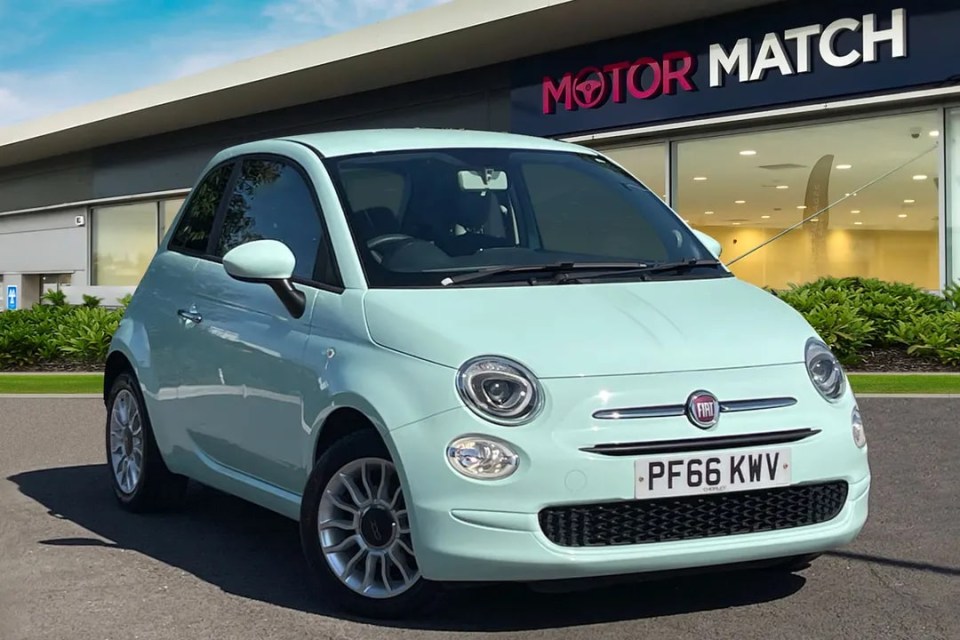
<point>388,238</point>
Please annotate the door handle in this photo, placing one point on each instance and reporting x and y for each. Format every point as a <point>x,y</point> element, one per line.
<point>190,315</point>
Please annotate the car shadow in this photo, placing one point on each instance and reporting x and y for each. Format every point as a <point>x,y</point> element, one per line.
<point>251,552</point>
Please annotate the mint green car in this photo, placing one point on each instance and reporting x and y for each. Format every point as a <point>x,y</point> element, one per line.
<point>458,357</point>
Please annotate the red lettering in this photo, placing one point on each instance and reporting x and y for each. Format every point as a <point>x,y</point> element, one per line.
<point>616,70</point>
<point>592,87</point>
<point>634,83</point>
<point>680,75</point>
<point>556,92</point>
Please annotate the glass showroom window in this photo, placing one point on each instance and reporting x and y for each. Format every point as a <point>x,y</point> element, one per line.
<point>124,241</point>
<point>869,186</point>
<point>953,195</point>
<point>168,211</point>
<point>648,163</point>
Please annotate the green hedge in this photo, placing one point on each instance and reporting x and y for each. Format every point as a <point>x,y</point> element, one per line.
<point>58,335</point>
<point>851,314</point>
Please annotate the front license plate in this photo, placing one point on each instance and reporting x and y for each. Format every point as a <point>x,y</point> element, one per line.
<point>715,472</point>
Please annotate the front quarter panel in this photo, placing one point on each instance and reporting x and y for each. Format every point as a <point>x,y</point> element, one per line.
<point>389,388</point>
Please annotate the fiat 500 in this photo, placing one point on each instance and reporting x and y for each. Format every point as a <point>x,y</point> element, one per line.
<point>463,357</point>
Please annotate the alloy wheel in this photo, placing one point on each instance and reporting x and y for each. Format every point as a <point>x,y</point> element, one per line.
<point>126,442</point>
<point>364,530</point>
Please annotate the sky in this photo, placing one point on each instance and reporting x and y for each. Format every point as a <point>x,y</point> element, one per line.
<point>58,54</point>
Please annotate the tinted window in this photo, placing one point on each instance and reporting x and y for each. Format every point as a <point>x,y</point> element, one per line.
<point>463,210</point>
<point>272,201</point>
<point>582,211</point>
<point>193,232</point>
<point>369,188</point>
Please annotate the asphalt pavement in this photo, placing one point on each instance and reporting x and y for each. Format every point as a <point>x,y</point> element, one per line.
<point>73,566</point>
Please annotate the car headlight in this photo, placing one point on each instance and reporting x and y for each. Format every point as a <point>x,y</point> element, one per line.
<point>824,370</point>
<point>500,390</point>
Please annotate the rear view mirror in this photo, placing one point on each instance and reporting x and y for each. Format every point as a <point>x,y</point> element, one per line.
<point>712,245</point>
<point>487,180</point>
<point>268,262</point>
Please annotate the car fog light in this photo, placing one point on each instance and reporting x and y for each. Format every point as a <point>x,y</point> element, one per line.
<point>859,435</point>
<point>482,458</point>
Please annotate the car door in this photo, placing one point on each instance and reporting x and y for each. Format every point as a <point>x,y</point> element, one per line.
<point>180,371</point>
<point>253,346</point>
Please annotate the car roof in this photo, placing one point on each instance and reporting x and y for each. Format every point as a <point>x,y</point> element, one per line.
<point>344,143</point>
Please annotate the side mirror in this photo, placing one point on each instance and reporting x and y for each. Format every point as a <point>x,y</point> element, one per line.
<point>269,262</point>
<point>709,242</point>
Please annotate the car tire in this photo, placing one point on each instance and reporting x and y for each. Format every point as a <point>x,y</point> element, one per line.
<point>147,485</point>
<point>370,534</point>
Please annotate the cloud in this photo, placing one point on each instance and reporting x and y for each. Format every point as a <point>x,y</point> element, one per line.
<point>190,46</point>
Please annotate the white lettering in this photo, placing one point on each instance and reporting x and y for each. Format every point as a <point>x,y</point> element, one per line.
<point>737,59</point>
<point>896,35</point>
<point>802,35</point>
<point>830,34</point>
<point>772,56</point>
<point>774,53</point>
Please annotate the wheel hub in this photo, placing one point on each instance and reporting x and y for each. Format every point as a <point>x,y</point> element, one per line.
<point>378,527</point>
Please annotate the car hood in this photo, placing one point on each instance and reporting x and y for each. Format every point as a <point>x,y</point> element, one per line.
<point>593,329</point>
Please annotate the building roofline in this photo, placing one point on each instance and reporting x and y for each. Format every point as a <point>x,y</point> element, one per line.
<point>447,38</point>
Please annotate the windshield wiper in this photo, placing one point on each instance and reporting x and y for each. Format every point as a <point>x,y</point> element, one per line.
<point>559,271</point>
<point>661,267</point>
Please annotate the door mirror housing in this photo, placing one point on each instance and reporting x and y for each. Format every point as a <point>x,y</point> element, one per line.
<point>268,262</point>
<point>711,243</point>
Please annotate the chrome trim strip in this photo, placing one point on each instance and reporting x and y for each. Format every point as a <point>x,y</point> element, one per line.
<point>667,411</point>
<point>756,405</point>
<point>675,410</point>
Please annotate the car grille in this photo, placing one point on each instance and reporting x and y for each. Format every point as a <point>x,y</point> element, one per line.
<point>692,517</point>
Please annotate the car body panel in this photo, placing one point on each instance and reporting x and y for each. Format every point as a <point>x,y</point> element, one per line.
<point>247,397</point>
<point>593,329</point>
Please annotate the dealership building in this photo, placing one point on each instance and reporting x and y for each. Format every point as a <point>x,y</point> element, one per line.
<point>809,138</point>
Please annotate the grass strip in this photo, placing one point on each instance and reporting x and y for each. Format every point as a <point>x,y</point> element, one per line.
<point>56,383</point>
<point>926,384</point>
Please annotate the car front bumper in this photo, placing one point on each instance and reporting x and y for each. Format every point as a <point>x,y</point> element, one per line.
<point>472,530</point>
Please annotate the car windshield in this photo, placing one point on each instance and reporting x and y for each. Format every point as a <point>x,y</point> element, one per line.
<point>436,217</point>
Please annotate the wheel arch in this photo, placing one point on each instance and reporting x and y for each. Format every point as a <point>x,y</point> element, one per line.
<point>341,422</point>
<point>117,363</point>
<point>348,415</point>
<point>129,351</point>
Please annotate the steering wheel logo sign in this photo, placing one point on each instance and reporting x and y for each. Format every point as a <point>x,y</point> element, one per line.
<point>590,88</point>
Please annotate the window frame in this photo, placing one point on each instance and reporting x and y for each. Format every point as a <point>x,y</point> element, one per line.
<point>231,181</point>
<point>209,254</point>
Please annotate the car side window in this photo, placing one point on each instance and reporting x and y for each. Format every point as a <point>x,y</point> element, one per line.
<point>272,200</point>
<point>196,224</point>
